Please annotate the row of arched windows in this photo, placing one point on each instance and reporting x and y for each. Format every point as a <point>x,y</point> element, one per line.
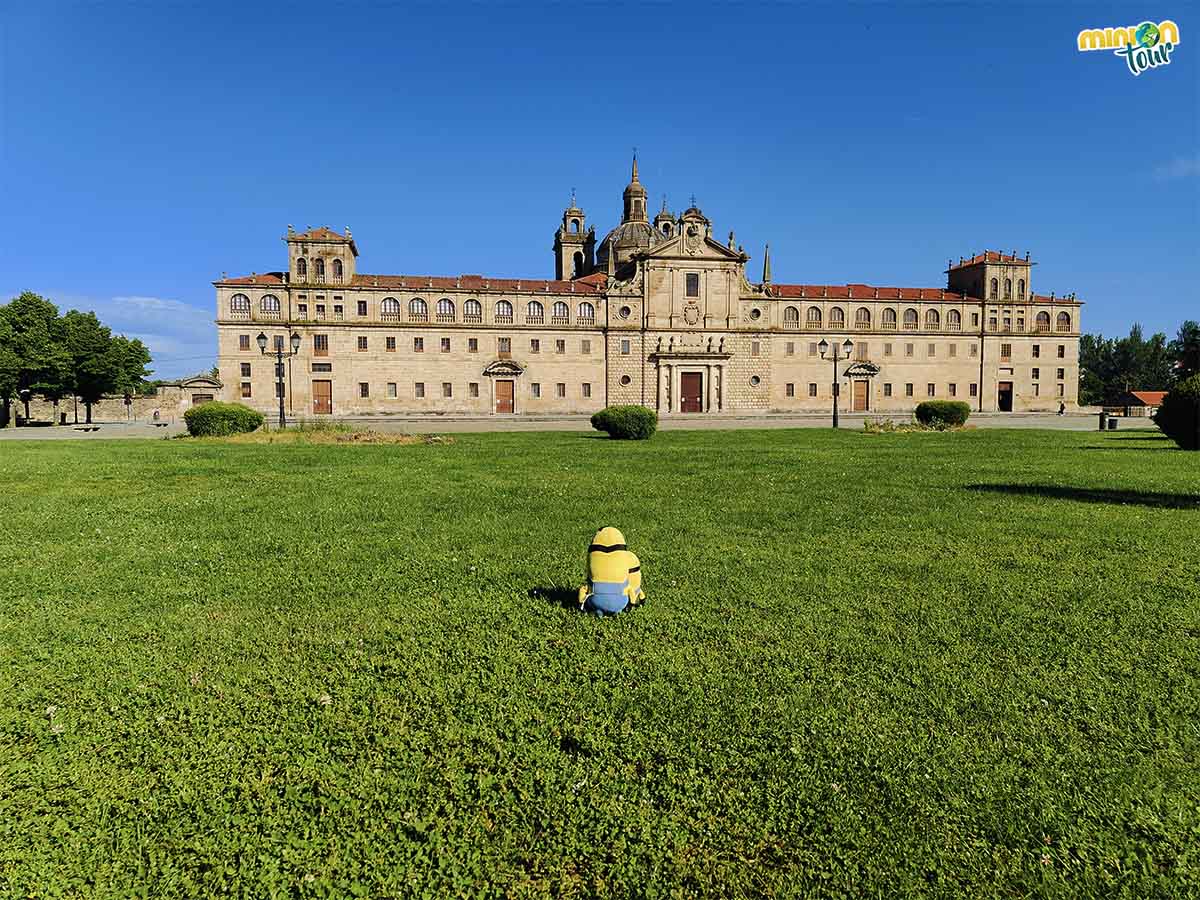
<point>318,267</point>
<point>418,310</point>
<point>862,318</point>
<point>1008,294</point>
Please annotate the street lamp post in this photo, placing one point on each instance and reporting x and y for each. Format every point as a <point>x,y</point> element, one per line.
<point>847,349</point>
<point>280,355</point>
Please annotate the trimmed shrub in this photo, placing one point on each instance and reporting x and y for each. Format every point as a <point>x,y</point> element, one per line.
<point>1179,415</point>
<point>626,423</point>
<point>949,413</point>
<point>216,419</point>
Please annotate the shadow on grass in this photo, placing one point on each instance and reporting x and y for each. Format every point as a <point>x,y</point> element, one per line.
<point>1154,446</point>
<point>567,598</point>
<point>1115,496</point>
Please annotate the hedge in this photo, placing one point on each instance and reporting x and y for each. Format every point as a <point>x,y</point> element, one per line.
<point>215,419</point>
<point>943,412</point>
<point>627,423</point>
<point>1178,416</point>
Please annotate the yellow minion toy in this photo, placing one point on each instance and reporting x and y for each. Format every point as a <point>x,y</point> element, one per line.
<point>614,575</point>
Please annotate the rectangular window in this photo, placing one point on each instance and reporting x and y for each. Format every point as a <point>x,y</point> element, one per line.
<point>791,348</point>
<point>754,348</point>
<point>418,345</point>
<point>862,351</point>
<point>504,347</point>
<point>974,350</point>
<point>322,367</point>
<point>339,312</point>
<point>1062,390</point>
<point>1020,324</point>
<point>992,323</point>
<point>812,348</point>
<point>278,390</point>
<point>535,346</point>
<point>587,389</point>
<point>245,389</point>
<point>445,345</point>
<point>560,390</point>
<point>419,390</point>
<point>302,310</point>
<point>812,389</point>
<point>472,345</point>
<point>1062,351</point>
<point>953,350</point>
<point>279,342</point>
<point>908,390</point>
<point>1037,373</point>
<point>930,390</point>
<point>974,320</point>
<point>790,389</point>
<point>390,344</point>
<point>585,348</point>
<point>908,349</point>
<point>1007,324</point>
<point>560,346</point>
<point>1037,389</point>
<point>1060,374</point>
<point>535,389</point>
<point>362,342</point>
<point>1037,351</point>
<point>320,345</point>
<point>625,347</point>
<point>1006,353</point>
<point>953,390</point>
<point>320,312</point>
<point>364,389</point>
<point>473,389</point>
<point>974,390</point>
<point>391,390</point>
<point>243,342</point>
<point>245,370</point>
<point>887,389</point>
<point>447,389</point>
<point>887,349</point>
<point>693,284</point>
<point>362,307</point>
<point>932,350</point>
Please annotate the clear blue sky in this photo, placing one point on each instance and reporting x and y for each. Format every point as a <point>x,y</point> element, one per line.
<point>148,147</point>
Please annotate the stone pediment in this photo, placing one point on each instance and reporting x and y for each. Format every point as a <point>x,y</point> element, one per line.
<point>690,346</point>
<point>504,368</point>
<point>861,370</point>
<point>697,246</point>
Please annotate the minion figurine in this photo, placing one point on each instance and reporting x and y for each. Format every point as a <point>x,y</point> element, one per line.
<point>614,575</point>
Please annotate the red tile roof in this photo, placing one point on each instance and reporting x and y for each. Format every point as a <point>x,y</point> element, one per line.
<point>260,278</point>
<point>1149,398</point>
<point>1050,298</point>
<point>319,234</point>
<point>992,256</point>
<point>419,283</point>
<point>862,292</point>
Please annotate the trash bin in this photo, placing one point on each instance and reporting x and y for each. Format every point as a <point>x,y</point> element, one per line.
<point>62,418</point>
<point>1103,419</point>
<point>1112,423</point>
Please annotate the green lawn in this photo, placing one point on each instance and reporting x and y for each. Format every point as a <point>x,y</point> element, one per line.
<point>870,665</point>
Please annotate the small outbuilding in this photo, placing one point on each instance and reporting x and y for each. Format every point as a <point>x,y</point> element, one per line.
<point>1142,403</point>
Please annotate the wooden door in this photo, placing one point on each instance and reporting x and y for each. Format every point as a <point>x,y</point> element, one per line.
<point>322,394</point>
<point>1004,396</point>
<point>691,392</point>
<point>504,396</point>
<point>860,396</point>
<point>197,399</point>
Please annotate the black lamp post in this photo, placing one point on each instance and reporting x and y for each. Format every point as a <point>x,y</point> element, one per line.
<point>847,348</point>
<point>280,355</point>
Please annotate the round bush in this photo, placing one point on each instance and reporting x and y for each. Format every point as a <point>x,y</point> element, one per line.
<point>216,419</point>
<point>626,423</point>
<point>1179,415</point>
<point>952,413</point>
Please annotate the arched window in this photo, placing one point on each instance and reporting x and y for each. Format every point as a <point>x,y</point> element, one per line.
<point>239,306</point>
<point>302,268</point>
<point>319,265</point>
<point>889,318</point>
<point>837,317</point>
<point>791,317</point>
<point>337,270</point>
<point>418,310</point>
<point>862,317</point>
<point>1007,288</point>
<point>577,265</point>
<point>269,306</point>
<point>534,312</point>
<point>389,309</point>
<point>586,312</point>
<point>1020,288</point>
<point>574,226</point>
<point>445,310</point>
<point>933,319</point>
<point>472,311</point>
<point>995,288</point>
<point>666,228</point>
<point>910,319</point>
<point>954,320</point>
<point>504,312</point>
<point>1063,322</point>
<point>812,318</point>
<point>560,314</point>
<point>1043,321</point>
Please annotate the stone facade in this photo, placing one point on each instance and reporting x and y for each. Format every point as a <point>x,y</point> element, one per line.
<point>659,314</point>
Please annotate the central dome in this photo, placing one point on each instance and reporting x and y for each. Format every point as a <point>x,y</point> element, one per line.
<point>625,240</point>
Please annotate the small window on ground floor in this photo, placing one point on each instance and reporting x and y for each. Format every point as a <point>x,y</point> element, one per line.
<point>908,390</point>
<point>974,390</point>
<point>419,390</point>
<point>587,389</point>
<point>535,389</point>
<point>887,389</point>
<point>790,389</point>
<point>473,389</point>
<point>364,389</point>
<point>560,390</point>
<point>245,389</point>
<point>445,345</point>
<point>472,345</point>
<point>560,346</point>
<point>391,389</point>
<point>243,342</point>
<point>931,390</point>
<point>812,389</point>
<point>585,348</point>
<point>791,348</point>
<point>1037,390</point>
<point>953,390</point>
<point>1062,390</point>
<point>389,344</point>
<point>447,389</point>
<point>625,347</point>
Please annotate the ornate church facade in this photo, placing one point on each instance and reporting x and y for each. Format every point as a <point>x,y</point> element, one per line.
<point>658,313</point>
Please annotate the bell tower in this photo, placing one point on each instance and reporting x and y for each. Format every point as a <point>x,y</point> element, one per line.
<point>574,247</point>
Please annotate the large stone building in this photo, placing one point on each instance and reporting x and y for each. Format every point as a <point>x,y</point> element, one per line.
<point>658,313</point>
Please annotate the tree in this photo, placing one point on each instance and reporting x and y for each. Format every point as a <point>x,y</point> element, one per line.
<point>1185,350</point>
<point>1109,368</point>
<point>34,339</point>
<point>94,369</point>
<point>131,358</point>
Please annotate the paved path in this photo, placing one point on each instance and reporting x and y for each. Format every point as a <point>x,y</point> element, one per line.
<point>461,424</point>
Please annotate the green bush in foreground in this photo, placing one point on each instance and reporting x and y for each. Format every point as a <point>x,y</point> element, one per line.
<point>952,413</point>
<point>218,419</point>
<point>1179,415</point>
<point>627,423</point>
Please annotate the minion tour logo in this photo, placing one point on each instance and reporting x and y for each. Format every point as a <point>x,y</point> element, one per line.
<point>1144,46</point>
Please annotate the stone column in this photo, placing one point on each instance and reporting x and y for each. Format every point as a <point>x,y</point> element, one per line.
<point>708,388</point>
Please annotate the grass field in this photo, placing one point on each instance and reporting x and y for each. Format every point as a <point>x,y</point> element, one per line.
<point>870,665</point>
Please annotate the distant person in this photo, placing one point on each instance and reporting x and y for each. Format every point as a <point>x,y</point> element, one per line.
<point>1062,408</point>
<point>156,415</point>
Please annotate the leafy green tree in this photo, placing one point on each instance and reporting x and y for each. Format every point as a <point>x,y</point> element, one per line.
<point>131,360</point>
<point>94,370</point>
<point>1185,350</point>
<point>1109,368</point>
<point>33,335</point>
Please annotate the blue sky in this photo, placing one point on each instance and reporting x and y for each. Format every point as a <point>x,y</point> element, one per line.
<point>149,147</point>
